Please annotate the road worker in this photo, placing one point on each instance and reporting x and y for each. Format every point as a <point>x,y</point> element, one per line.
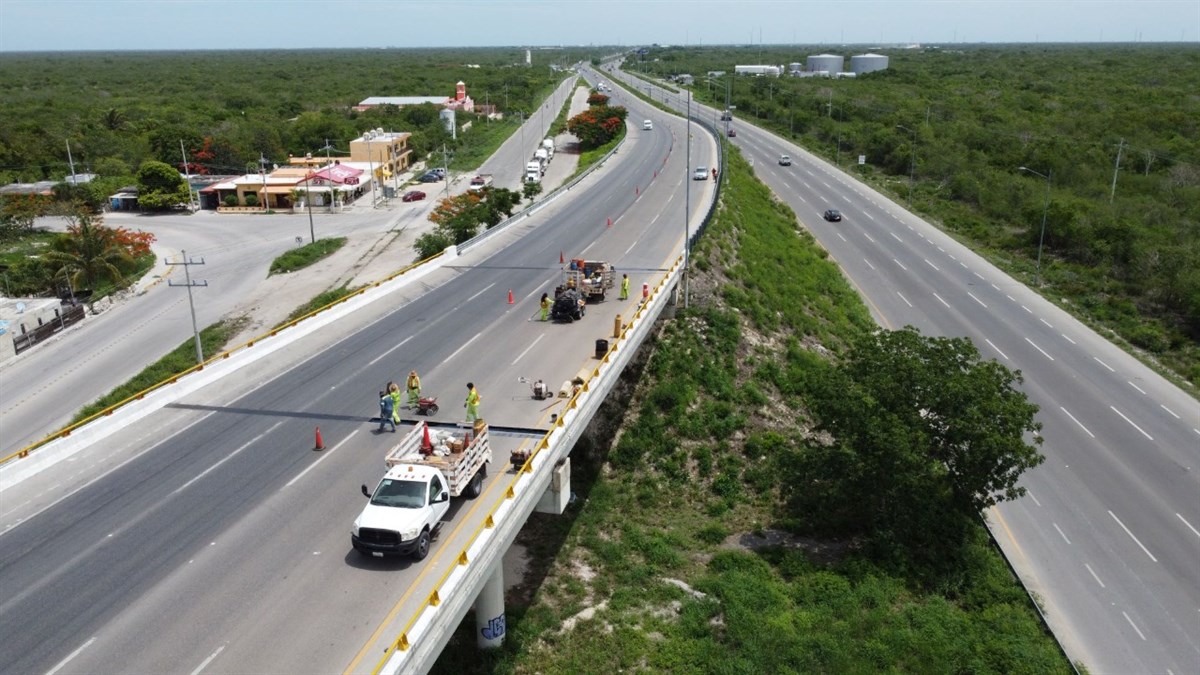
<point>394,393</point>
<point>624,287</point>
<point>414,388</point>
<point>545,304</point>
<point>472,402</point>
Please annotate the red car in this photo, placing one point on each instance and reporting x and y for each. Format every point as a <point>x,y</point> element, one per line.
<point>413,196</point>
<point>732,132</point>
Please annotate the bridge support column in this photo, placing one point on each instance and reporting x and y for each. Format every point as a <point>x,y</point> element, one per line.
<point>489,611</point>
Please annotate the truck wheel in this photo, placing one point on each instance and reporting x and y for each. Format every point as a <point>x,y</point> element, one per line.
<point>422,549</point>
<point>475,487</point>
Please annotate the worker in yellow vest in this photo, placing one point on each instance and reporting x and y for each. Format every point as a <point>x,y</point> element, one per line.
<point>414,388</point>
<point>624,287</point>
<point>546,303</point>
<point>472,402</point>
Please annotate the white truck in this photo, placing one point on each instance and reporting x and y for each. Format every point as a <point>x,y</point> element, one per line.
<point>540,155</point>
<point>533,172</point>
<point>548,146</point>
<point>592,278</point>
<point>480,182</point>
<point>407,507</point>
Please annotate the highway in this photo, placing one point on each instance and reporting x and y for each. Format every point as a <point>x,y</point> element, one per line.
<point>210,537</point>
<point>1109,534</point>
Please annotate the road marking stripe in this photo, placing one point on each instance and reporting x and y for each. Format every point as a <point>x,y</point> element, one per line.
<point>381,356</point>
<point>870,237</point>
<point>900,264</point>
<point>868,263</point>
<point>977,274</point>
<point>1170,411</point>
<point>895,237</point>
<point>1031,496</point>
<point>1131,422</point>
<point>1010,297</point>
<point>1131,623</point>
<point>480,292</point>
<point>869,216</point>
<point>1189,525</point>
<point>312,466</point>
<point>1039,349</point>
<point>964,265</point>
<point>1045,322</point>
<point>465,344</point>
<point>997,349</point>
<point>204,664</point>
<point>995,287</point>
<point>1089,433</point>
<point>527,349</point>
<point>1135,539</point>
<point>976,299</point>
<point>839,236</point>
<point>1064,335</point>
<point>70,656</point>
<point>1110,368</point>
<point>1094,575</point>
<point>941,300</point>
<point>1136,387</point>
<point>931,264</point>
<point>904,298</point>
<point>226,458</point>
<point>942,250</point>
<point>1060,533</point>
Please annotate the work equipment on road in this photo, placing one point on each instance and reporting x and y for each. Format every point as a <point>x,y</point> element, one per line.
<point>427,405</point>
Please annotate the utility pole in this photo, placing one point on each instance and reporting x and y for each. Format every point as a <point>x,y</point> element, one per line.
<point>186,262</point>
<point>445,169</point>
<point>71,162</point>
<point>187,172</point>
<point>1116,168</point>
<point>687,200</point>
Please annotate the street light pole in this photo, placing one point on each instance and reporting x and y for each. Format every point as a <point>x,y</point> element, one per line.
<point>1037,274</point>
<point>312,232</point>
<point>687,200</point>
<point>912,165</point>
<point>262,162</point>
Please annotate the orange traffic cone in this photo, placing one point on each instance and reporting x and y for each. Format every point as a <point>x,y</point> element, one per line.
<point>320,443</point>
<point>426,444</point>
<point>510,298</point>
<point>609,223</point>
<point>560,258</point>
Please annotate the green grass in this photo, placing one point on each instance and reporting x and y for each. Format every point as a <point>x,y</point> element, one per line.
<point>299,258</point>
<point>657,83</point>
<point>697,463</point>
<point>212,340</point>
<point>589,157</point>
<point>326,298</point>
<point>483,139</point>
<point>25,245</point>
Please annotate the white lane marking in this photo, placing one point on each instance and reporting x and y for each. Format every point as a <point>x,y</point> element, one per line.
<point>1131,623</point>
<point>995,287</point>
<point>1131,422</point>
<point>635,243</point>
<point>900,264</point>
<point>381,356</point>
<point>1067,338</point>
<point>803,199</point>
<point>456,351</point>
<point>1043,351</point>
<point>1136,387</point>
<point>1089,433</point>
<point>522,354</point>
<point>1010,297</point>
<point>1170,411</point>
<point>870,237</point>
<point>895,237</point>
<point>952,257</point>
<point>70,656</point>
<point>904,298</point>
<point>869,216</point>
<point>1135,539</point>
<point>910,228</point>
<point>941,300</point>
<point>1045,322</point>
<point>931,265</point>
<point>942,250</point>
<point>1031,496</point>
<point>977,274</point>
<point>964,265</point>
<point>312,466</point>
<point>1060,533</point>
<point>205,662</point>
<point>1027,309</point>
<point>997,349</point>
<point>226,458</point>
<point>868,263</point>
<point>480,292</point>
<point>1110,368</point>
<point>839,236</point>
<point>1094,575</point>
<point>655,218</point>
<point>1189,525</point>
<point>976,299</point>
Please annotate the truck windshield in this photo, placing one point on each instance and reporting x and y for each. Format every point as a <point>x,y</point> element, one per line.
<point>404,494</point>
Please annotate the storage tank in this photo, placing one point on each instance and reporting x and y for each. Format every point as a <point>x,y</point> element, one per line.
<point>868,63</point>
<point>827,63</point>
<point>795,67</point>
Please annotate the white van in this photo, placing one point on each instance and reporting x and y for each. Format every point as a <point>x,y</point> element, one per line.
<point>648,125</point>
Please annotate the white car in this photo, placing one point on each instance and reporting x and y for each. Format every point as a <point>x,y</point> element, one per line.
<point>784,160</point>
<point>648,125</point>
<point>701,173</point>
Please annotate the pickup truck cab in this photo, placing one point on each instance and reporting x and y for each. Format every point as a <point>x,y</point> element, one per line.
<point>404,513</point>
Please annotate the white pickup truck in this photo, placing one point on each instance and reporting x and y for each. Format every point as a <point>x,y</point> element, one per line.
<point>407,507</point>
<point>480,182</point>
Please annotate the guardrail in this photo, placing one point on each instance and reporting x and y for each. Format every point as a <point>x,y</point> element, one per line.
<point>455,591</point>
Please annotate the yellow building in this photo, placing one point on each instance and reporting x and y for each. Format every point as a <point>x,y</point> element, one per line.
<point>386,151</point>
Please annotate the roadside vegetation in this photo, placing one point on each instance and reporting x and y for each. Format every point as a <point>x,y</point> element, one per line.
<point>303,256</point>
<point>731,517</point>
<point>963,123</point>
<point>213,340</point>
<point>317,302</point>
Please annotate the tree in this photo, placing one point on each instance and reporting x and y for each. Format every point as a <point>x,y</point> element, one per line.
<point>925,435</point>
<point>18,212</point>
<point>160,187</point>
<point>531,189</point>
<point>88,253</point>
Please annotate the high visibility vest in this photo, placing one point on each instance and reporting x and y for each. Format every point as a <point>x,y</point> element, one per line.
<point>473,397</point>
<point>414,382</point>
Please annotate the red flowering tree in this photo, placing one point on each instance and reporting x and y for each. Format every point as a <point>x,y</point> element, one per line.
<point>597,99</point>
<point>598,124</point>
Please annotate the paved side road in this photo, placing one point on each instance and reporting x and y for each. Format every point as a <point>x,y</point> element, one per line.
<point>41,389</point>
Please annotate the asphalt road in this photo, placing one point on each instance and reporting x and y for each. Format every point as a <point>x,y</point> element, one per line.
<point>211,538</point>
<point>1109,534</point>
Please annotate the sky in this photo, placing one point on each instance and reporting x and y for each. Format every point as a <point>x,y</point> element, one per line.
<point>68,25</point>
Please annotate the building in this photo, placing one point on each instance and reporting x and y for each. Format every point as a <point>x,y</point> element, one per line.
<point>758,71</point>
<point>460,100</point>
<point>824,64</point>
<point>25,322</point>
<point>386,151</point>
<point>868,63</point>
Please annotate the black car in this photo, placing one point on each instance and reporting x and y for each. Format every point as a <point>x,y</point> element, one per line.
<point>430,177</point>
<point>833,216</point>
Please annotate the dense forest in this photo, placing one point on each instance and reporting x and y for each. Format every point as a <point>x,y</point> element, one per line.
<point>1103,141</point>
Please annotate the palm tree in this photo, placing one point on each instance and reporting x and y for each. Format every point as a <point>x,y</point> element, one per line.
<point>87,253</point>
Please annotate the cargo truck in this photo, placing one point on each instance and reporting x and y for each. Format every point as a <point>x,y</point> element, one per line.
<point>424,471</point>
